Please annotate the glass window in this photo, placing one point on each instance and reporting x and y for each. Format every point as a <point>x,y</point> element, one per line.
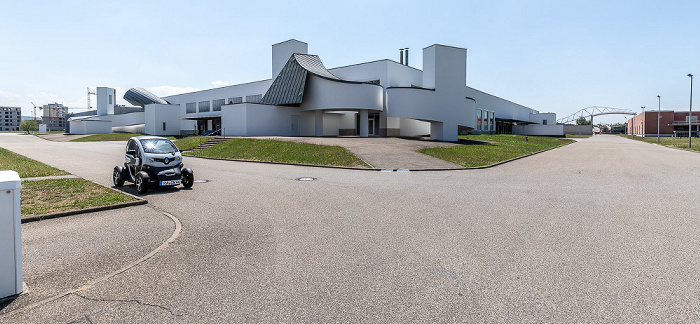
<point>253,98</point>
<point>110,99</point>
<point>191,107</point>
<point>203,106</point>
<point>216,104</point>
<point>235,100</point>
<point>478,119</point>
<point>158,145</point>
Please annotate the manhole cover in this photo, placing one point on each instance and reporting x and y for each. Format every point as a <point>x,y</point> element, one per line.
<point>202,181</point>
<point>305,179</point>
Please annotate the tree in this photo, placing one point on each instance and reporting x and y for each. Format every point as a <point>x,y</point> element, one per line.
<point>28,126</point>
<point>583,121</point>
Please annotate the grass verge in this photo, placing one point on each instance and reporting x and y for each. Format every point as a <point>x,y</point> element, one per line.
<point>25,166</point>
<point>495,149</point>
<point>188,143</point>
<point>677,142</point>
<point>50,196</point>
<point>577,136</point>
<point>282,152</point>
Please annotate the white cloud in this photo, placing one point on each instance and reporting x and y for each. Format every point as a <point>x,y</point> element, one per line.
<point>219,83</point>
<point>8,95</point>
<point>164,91</point>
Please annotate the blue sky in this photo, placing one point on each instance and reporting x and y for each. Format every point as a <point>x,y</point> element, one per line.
<point>553,56</point>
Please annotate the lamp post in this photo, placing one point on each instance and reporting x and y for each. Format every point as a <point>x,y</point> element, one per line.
<point>690,113</point>
<point>642,122</point>
<point>658,123</point>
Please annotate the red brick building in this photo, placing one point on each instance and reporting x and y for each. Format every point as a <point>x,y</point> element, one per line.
<point>672,123</point>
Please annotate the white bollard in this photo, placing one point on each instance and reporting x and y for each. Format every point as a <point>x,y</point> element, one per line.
<point>10,235</point>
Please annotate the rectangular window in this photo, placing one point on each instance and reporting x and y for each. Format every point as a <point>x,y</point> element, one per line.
<point>163,126</point>
<point>110,100</point>
<point>478,119</point>
<point>204,106</point>
<point>235,100</point>
<point>544,122</point>
<point>253,98</point>
<point>492,121</point>
<point>191,107</point>
<point>216,104</point>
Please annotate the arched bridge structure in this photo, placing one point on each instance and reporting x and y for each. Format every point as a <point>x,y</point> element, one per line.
<point>594,111</point>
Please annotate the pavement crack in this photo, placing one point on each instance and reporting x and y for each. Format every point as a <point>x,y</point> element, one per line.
<point>132,301</point>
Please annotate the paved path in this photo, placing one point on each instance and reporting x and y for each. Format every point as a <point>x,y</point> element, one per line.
<point>602,230</point>
<point>385,152</point>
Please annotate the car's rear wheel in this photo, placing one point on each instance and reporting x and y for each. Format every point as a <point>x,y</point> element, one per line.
<point>117,177</point>
<point>187,180</point>
<point>141,184</point>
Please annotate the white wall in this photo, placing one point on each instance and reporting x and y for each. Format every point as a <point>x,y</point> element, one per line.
<point>325,94</point>
<point>91,127</point>
<point>240,90</point>
<point>104,105</point>
<point>281,52</point>
<point>539,130</point>
<point>412,127</point>
<point>503,109</point>
<point>247,119</point>
<point>551,118</point>
<point>157,114</point>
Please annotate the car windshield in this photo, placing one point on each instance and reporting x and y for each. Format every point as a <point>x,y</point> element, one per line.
<point>158,146</point>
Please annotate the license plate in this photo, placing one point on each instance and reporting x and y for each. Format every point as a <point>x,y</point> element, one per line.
<point>170,183</point>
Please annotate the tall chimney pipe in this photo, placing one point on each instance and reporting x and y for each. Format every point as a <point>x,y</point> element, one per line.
<point>406,52</point>
<point>401,56</point>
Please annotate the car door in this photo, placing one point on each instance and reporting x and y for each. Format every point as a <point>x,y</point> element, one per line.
<point>132,152</point>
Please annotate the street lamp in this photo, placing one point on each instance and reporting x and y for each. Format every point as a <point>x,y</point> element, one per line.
<point>658,123</point>
<point>690,113</point>
<point>644,116</point>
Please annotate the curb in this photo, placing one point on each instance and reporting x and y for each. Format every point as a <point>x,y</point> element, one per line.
<point>83,211</point>
<point>383,170</point>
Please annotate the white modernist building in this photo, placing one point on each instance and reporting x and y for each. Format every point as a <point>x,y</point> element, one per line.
<point>304,98</point>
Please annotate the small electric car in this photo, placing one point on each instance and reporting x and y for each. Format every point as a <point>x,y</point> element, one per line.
<point>152,161</point>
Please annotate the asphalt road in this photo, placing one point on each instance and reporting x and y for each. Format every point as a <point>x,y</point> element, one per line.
<point>603,230</point>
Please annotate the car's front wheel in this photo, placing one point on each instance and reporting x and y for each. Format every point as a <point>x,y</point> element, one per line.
<point>187,179</point>
<point>117,177</point>
<point>141,184</point>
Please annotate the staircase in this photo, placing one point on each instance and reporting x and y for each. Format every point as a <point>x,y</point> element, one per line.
<point>210,143</point>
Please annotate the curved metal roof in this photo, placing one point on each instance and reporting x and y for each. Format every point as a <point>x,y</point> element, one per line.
<point>141,97</point>
<point>288,86</point>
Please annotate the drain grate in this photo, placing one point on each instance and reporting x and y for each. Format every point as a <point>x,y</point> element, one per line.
<point>202,181</point>
<point>305,179</point>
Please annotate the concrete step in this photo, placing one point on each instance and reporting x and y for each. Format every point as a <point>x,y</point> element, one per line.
<point>210,143</point>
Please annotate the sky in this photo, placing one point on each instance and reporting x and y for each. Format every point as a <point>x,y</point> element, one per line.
<point>552,56</point>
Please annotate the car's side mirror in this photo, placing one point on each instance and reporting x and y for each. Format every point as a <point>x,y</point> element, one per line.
<point>131,152</point>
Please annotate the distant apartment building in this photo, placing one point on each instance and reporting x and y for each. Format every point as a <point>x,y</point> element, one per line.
<point>10,117</point>
<point>54,116</point>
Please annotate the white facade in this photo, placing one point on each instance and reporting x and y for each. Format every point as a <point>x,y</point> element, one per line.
<point>303,98</point>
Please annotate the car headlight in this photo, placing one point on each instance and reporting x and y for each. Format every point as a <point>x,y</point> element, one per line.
<point>151,160</point>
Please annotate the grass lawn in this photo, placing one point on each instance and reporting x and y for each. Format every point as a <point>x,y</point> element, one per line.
<point>25,166</point>
<point>49,196</point>
<point>280,151</point>
<point>499,148</point>
<point>678,142</point>
<point>576,136</point>
<point>188,143</point>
